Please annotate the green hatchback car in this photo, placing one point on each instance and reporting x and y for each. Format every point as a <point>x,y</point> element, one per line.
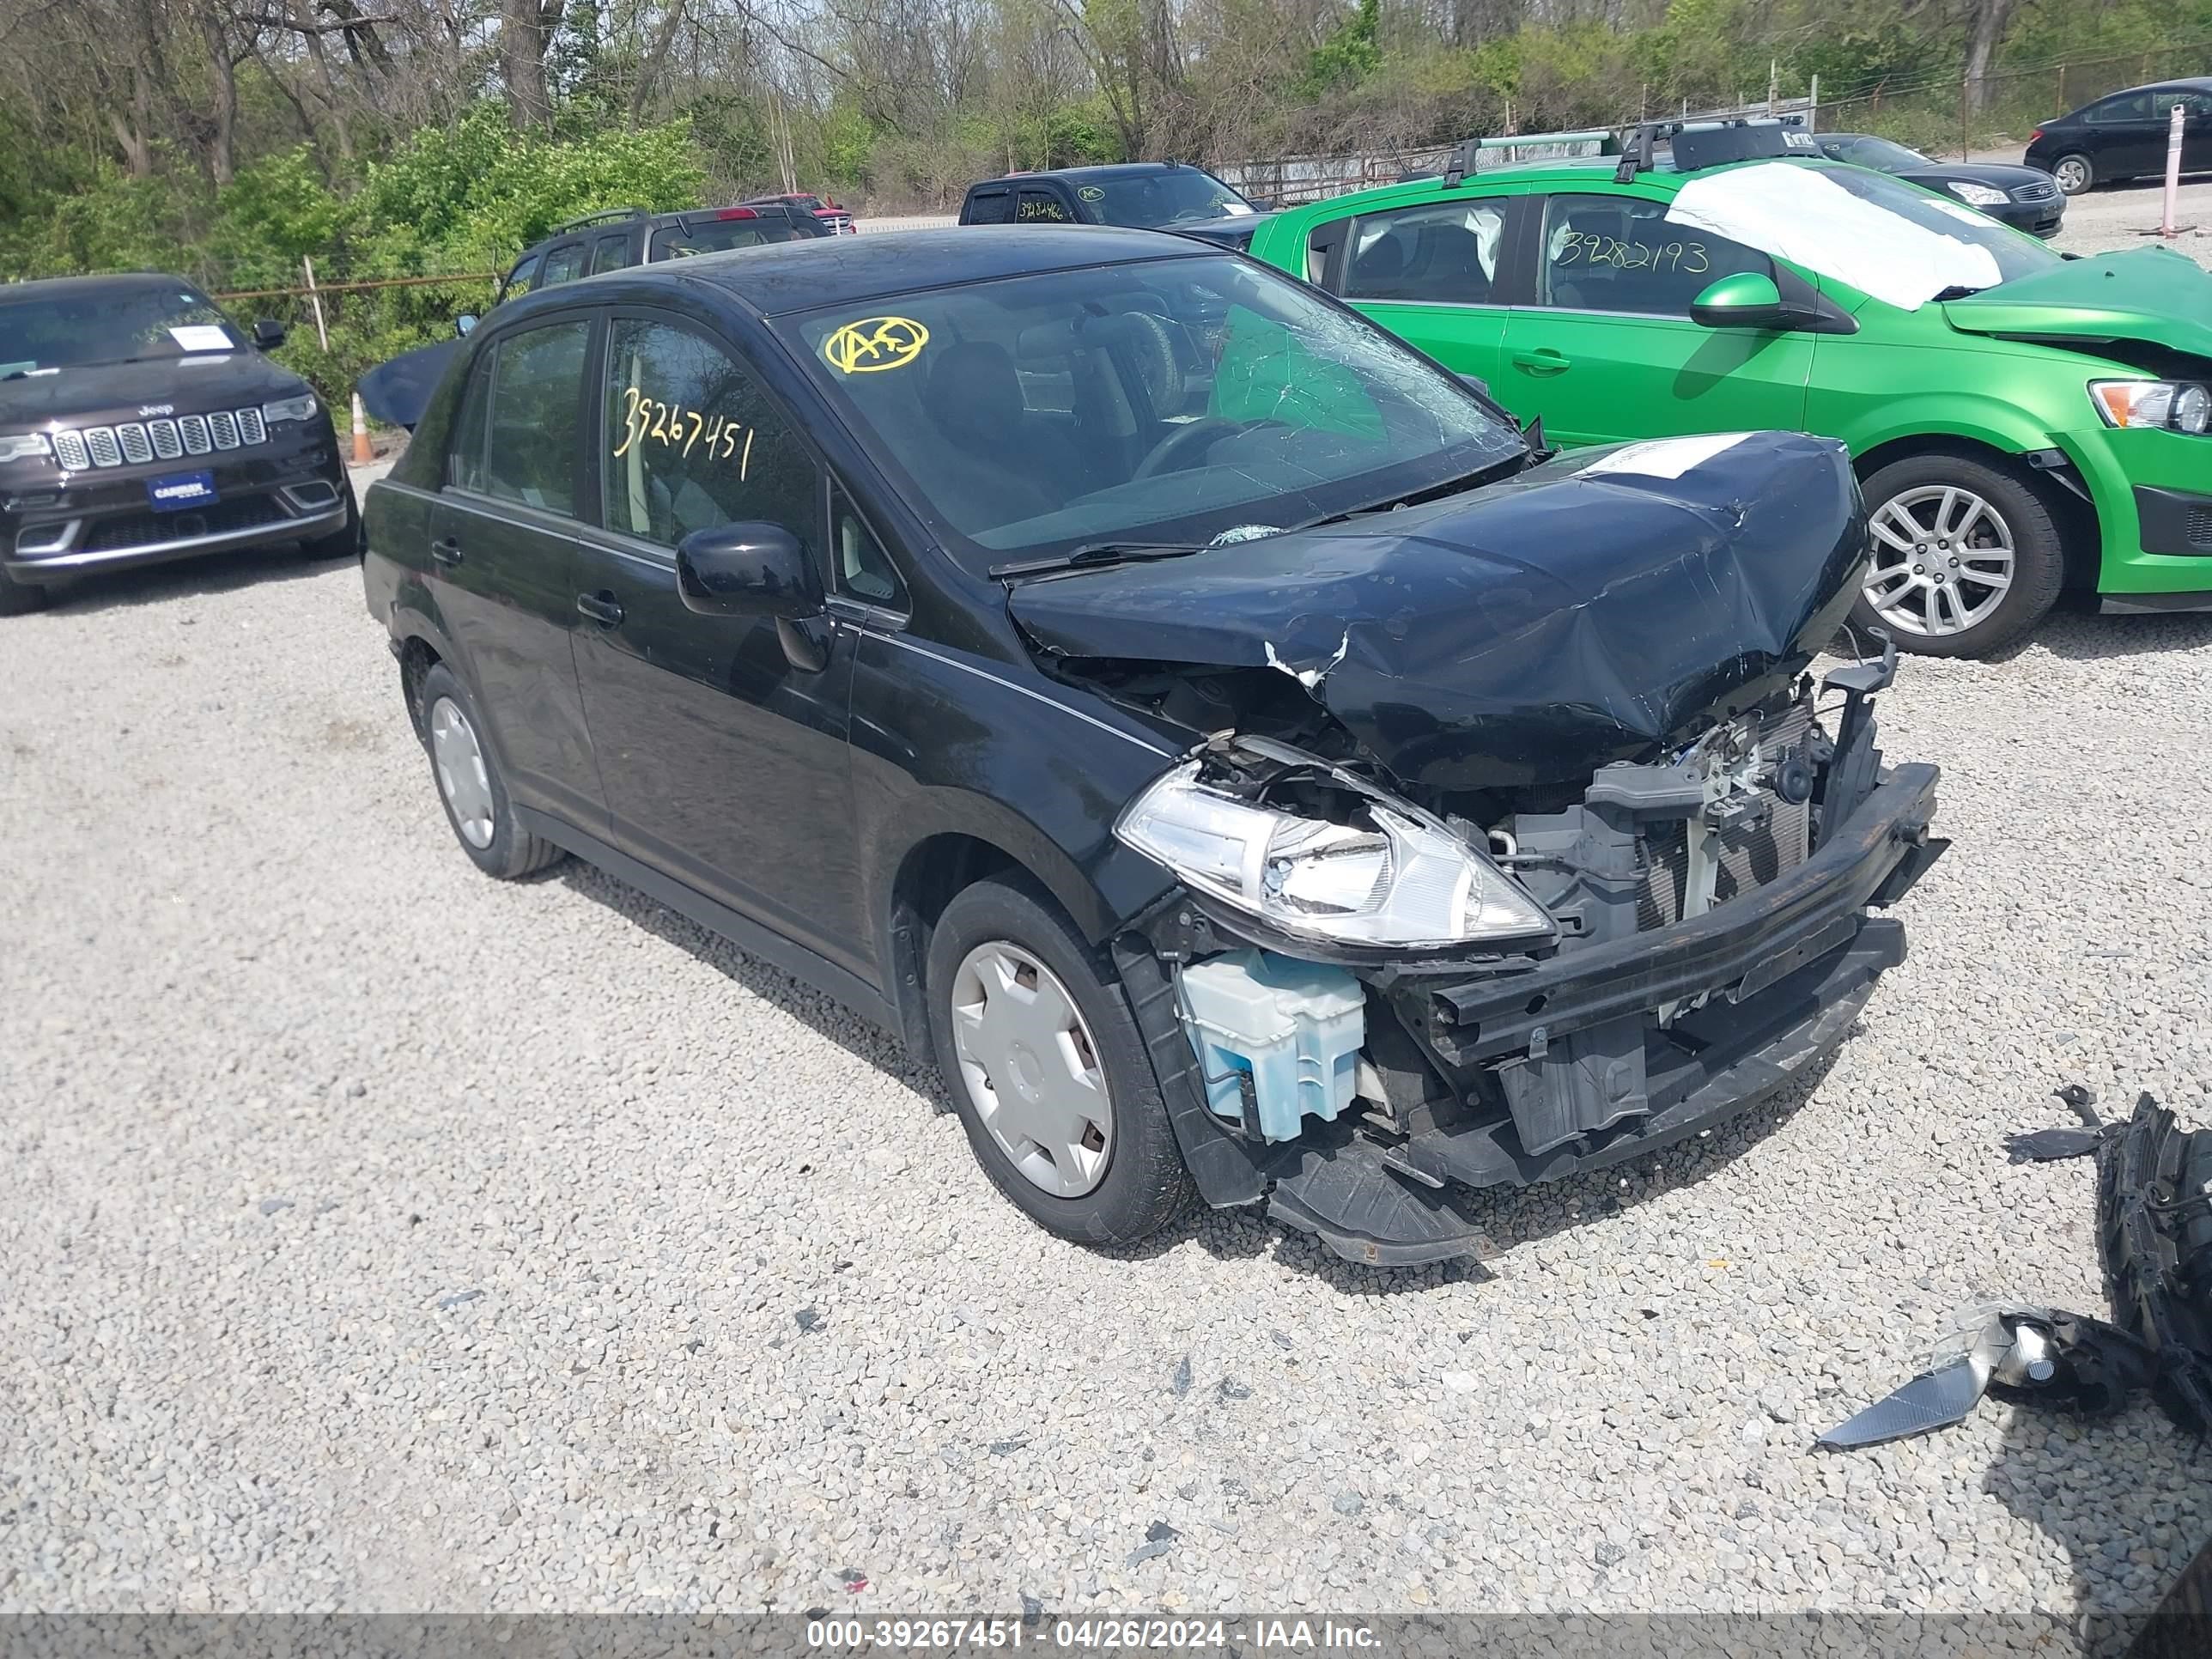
<point>2021,420</point>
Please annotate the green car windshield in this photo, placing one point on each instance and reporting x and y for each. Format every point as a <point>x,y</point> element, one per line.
<point>1177,400</point>
<point>1898,243</point>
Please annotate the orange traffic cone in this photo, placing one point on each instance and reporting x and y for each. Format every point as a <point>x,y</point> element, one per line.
<point>363,454</point>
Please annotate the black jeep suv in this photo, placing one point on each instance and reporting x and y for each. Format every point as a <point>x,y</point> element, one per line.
<point>137,426</point>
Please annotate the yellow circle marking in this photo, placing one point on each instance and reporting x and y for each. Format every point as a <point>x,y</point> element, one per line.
<point>875,344</point>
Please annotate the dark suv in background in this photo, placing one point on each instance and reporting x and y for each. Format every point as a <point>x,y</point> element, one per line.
<point>1141,195</point>
<point>395,393</point>
<point>137,426</point>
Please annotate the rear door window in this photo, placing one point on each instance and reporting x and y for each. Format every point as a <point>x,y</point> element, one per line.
<point>562,264</point>
<point>1619,253</point>
<point>610,252</point>
<point>1439,253</point>
<point>537,398</point>
<point>2129,106</point>
<point>990,207</point>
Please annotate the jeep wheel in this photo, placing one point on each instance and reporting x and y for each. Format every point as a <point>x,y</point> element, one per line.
<point>344,542</point>
<point>470,786</point>
<point>1965,559</point>
<point>1046,1071</point>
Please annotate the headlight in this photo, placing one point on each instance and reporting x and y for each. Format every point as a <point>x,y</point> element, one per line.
<point>302,408</point>
<point>25,445</point>
<point>2181,406</point>
<point>1404,881</point>
<point>1981,196</point>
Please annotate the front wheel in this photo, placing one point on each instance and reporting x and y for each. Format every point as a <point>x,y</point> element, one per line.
<point>20,598</point>
<point>1965,558</point>
<point>2074,174</point>
<point>1047,1070</point>
<point>345,541</point>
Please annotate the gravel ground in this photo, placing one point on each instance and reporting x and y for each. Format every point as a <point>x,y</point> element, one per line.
<point>386,1237</point>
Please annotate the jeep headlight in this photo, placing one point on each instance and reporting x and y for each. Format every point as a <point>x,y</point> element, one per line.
<point>1401,879</point>
<point>302,408</point>
<point>1980,196</point>
<point>25,447</point>
<point>2178,406</point>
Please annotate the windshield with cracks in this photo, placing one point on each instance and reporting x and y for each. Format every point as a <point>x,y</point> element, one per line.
<point>109,322</point>
<point>1176,401</point>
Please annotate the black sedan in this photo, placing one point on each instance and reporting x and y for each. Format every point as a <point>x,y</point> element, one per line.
<point>2023,198</point>
<point>2124,135</point>
<point>1208,730</point>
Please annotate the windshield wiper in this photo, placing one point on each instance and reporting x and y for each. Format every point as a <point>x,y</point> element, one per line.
<point>1465,482</point>
<point>1094,555</point>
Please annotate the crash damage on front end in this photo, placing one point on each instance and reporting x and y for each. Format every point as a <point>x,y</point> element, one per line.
<point>1520,840</point>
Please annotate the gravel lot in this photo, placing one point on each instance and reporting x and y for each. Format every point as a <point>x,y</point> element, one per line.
<point>387,1237</point>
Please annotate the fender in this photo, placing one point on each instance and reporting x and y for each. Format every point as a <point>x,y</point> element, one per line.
<point>1993,421</point>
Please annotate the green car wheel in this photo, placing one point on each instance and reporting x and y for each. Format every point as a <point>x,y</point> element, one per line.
<point>1965,558</point>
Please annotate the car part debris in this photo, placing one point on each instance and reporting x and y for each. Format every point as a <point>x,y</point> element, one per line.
<point>2051,1145</point>
<point>2039,1356</point>
<point>2154,1225</point>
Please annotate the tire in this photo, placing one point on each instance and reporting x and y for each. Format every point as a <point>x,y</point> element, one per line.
<point>2074,174</point>
<point>20,598</point>
<point>1123,1178</point>
<point>343,543</point>
<point>1920,584</point>
<point>469,785</point>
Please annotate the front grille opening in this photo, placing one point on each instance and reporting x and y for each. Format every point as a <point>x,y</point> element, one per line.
<point>130,530</point>
<point>136,443</point>
<point>2200,527</point>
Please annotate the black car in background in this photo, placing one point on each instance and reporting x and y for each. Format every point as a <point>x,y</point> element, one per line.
<point>2124,136</point>
<point>395,392</point>
<point>1140,195</point>
<point>1201,725</point>
<point>2024,197</point>
<point>138,426</point>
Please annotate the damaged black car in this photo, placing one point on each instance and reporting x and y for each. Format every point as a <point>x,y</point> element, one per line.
<point>1250,768</point>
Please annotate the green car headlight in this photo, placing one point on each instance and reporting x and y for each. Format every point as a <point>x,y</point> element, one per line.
<point>2177,406</point>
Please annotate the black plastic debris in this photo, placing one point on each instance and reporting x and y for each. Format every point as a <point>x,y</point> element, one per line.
<point>1159,1539</point>
<point>2051,1145</point>
<point>2039,1356</point>
<point>2155,1228</point>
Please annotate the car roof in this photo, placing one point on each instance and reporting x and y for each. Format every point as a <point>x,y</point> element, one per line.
<point>1102,170</point>
<point>788,276</point>
<point>2180,83</point>
<point>76,287</point>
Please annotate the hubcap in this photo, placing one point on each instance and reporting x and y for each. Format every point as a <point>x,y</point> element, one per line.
<point>1943,559</point>
<point>1029,1066</point>
<point>458,759</point>
<point>2072,175</point>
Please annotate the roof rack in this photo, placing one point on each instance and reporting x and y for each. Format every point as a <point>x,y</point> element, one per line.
<point>606,215</point>
<point>1714,144</point>
<point>1542,146</point>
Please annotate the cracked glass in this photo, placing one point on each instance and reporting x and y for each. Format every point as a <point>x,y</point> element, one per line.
<point>1171,400</point>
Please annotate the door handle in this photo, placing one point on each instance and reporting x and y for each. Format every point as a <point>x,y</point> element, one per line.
<point>600,608</point>
<point>1543,361</point>
<point>445,550</point>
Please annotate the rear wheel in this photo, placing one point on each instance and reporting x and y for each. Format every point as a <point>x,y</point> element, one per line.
<point>469,786</point>
<point>1965,557</point>
<point>2074,174</point>
<point>1047,1070</point>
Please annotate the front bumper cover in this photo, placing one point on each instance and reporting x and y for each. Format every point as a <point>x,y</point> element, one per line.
<point>1779,974</point>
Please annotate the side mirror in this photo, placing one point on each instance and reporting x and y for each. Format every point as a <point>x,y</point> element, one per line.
<point>748,570</point>
<point>1746,300</point>
<point>268,334</point>
<point>463,323</point>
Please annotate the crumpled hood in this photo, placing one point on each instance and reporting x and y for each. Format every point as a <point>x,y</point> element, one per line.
<point>2149,294</point>
<point>1525,633</point>
<point>102,393</point>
